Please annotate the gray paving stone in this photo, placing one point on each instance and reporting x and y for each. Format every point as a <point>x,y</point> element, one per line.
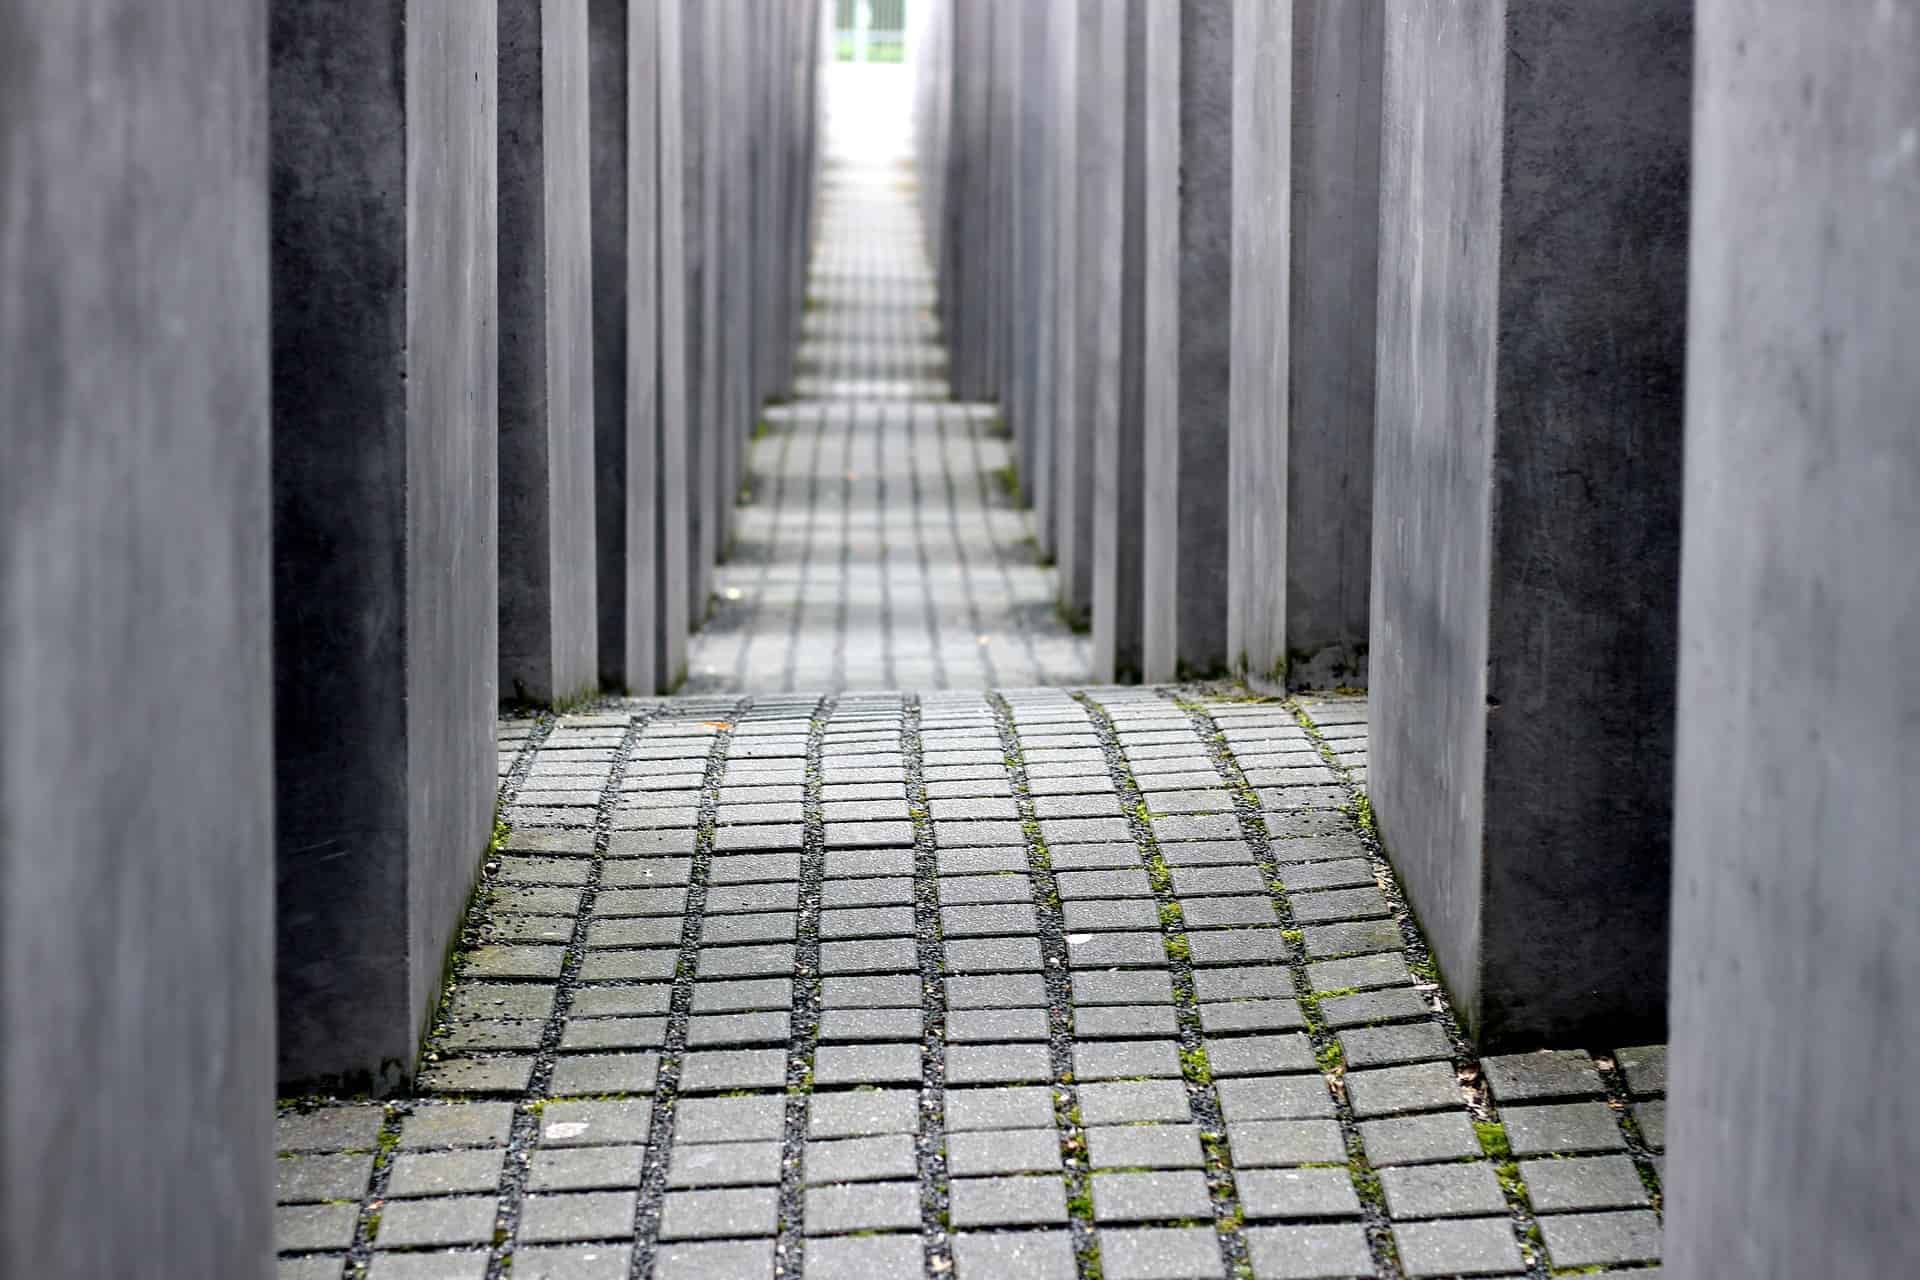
<point>1266,1144</point>
<point>1443,1190</point>
<point>1566,1128</point>
<point>571,1262</point>
<point>719,1214</point>
<point>1391,1046</point>
<point>474,1124</point>
<point>1237,946</point>
<point>887,1156</point>
<point>600,1073</point>
<point>731,1260</point>
<point>1340,873</point>
<point>591,1215</point>
<point>992,955</point>
<point>967,1026</point>
<point>759,1117</point>
<point>1297,1193</point>
<point>859,1064</point>
<point>1330,1251</point>
<point>314,1226</point>
<point>748,996</point>
<point>1102,884</point>
<point>1030,1255</point>
<point>1125,1022</point>
<point>643,931</point>
<point>1330,940</point>
<point>437,1222</point>
<point>1110,914</point>
<point>1467,1246</point>
<point>884,991</point>
<point>1014,1107</point>
<point>482,1000</point>
<point>442,1173</point>
<point>1360,973</point>
<point>877,891</point>
<point>867,922</point>
<point>460,1264</point>
<point>632,966</point>
<point>1537,1077</point>
<point>1160,1253</point>
<point>1583,1182</point>
<point>1259,1055</point>
<point>1645,1069</point>
<point>1126,1060</point>
<point>1007,1202</point>
<point>724,1164</point>
<point>1144,1146</point>
<point>585,1168</point>
<point>863,1258</point>
<point>1251,1015</point>
<point>873,1206</point>
<point>869,955</point>
<point>1419,1139</point>
<point>314,1179</point>
<point>1136,987</point>
<point>1426,1086</point>
<point>866,1112</point>
<point>1601,1239</point>
<point>580,1124</point>
<point>1094,857</point>
<point>998,1064</point>
<point>967,862</point>
<point>971,1155</point>
<point>1651,1117</point>
<point>1013,918</point>
<point>1134,1101</point>
<point>1394,1004</point>
<point>841,1025</point>
<point>1302,1097</point>
<point>710,1030</point>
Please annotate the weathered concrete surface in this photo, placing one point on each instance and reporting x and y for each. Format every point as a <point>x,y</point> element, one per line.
<point>1118,411</point>
<point>1059,538</point>
<point>136,1007</point>
<point>1033,347</point>
<point>1795,1129</point>
<point>676,388</point>
<point>549,620</point>
<point>706,50</point>
<point>1097,173</point>
<point>1332,288</point>
<point>1532,313</point>
<point>1260,340</point>
<point>624,121</point>
<point>1188,270</point>
<point>385,555</point>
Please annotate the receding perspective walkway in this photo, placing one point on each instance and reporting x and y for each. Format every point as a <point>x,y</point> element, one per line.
<point>877,546</point>
<point>988,980</point>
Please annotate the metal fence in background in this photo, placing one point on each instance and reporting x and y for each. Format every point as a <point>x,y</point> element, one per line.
<point>870,30</point>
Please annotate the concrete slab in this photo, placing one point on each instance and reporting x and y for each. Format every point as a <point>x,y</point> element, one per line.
<point>549,620</point>
<point>624,114</point>
<point>1791,1134</point>
<point>1188,269</point>
<point>677,389</point>
<point>1119,228</point>
<point>384,236</point>
<point>136,1011</point>
<point>1526,503</point>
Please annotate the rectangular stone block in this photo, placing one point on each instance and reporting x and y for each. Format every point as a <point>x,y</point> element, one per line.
<point>1306,184</point>
<point>1033,251</point>
<point>1527,503</point>
<point>549,620</point>
<point>385,672</point>
<point>1188,269</point>
<point>677,268</point>
<point>624,117</point>
<point>136,1014</point>
<point>1115,226</point>
<point>1071,477</point>
<point>1793,1120</point>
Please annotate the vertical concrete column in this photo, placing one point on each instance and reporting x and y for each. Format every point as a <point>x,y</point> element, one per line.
<point>1117,221</point>
<point>1792,1126</point>
<point>709,422</point>
<point>549,620</point>
<point>676,251</point>
<point>625,336</point>
<point>1306,216</point>
<point>1188,270</point>
<point>1527,503</point>
<point>1093,170</point>
<point>136,918</point>
<point>1037,134</point>
<point>1070,478</point>
<point>385,590</point>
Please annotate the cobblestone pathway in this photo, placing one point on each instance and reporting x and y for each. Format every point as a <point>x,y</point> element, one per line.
<point>877,545</point>
<point>1025,984</point>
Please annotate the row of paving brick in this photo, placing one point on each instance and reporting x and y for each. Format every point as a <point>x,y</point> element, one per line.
<point>1033,981</point>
